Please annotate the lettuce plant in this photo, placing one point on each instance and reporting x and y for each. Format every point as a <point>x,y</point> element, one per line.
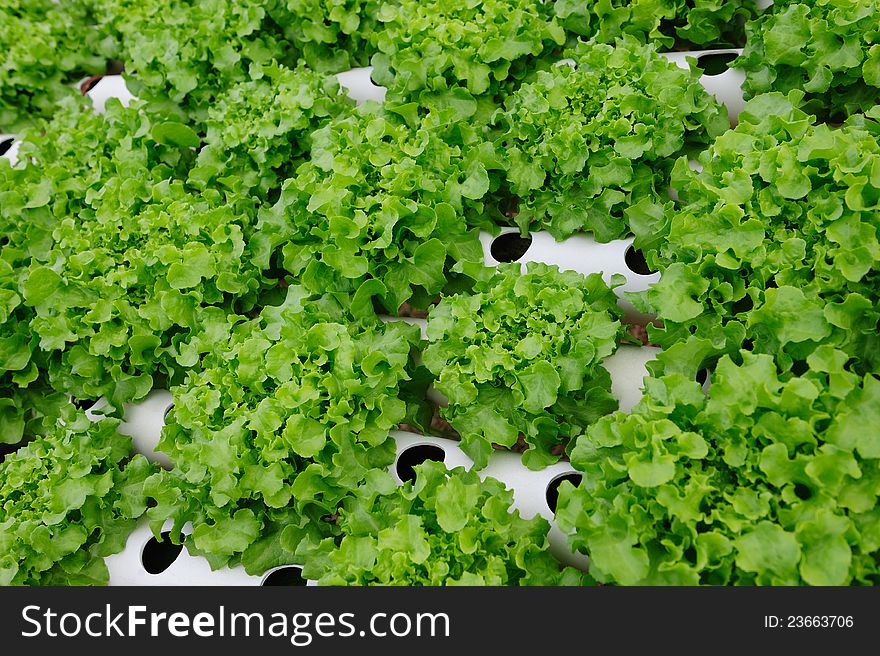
<point>67,500</point>
<point>445,528</point>
<point>772,480</point>
<point>437,51</point>
<point>288,414</point>
<point>775,244</point>
<point>521,355</point>
<point>830,49</point>
<point>260,130</point>
<point>47,46</point>
<point>332,35</point>
<point>668,23</point>
<point>118,262</point>
<point>584,150</point>
<point>382,199</point>
<point>180,54</point>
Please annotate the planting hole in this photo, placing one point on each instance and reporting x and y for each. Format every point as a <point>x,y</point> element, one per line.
<point>167,410</point>
<point>5,145</point>
<point>717,63</point>
<point>743,305</point>
<point>7,449</point>
<point>635,261</point>
<point>553,488</point>
<point>285,577</point>
<point>510,247</point>
<point>83,404</point>
<point>416,455</point>
<point>802,491</point>
<point>159,556</point>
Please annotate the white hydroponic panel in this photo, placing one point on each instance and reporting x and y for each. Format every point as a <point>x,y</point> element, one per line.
<point>359,86</point>
<point>9,147</point>
<point>147,561</point>
<point>143,422</point>
<point>533,491</point>
<point>109,86</point>
<point>725,86</point>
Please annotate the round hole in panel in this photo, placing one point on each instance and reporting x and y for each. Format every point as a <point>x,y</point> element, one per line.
<point>802,491</point>
<point>702,376</point>
<point>82,404</point>
<point>5,145</point>
<point>743,305</point>
<point>8,449</point>
<point>167,410</point>
<point>285,576</point>
<point>552,494</point>
<point>716,63</point>
<point>157,556</point>
<point>635,261</point>
<point>509,247</point>
<point>416,455</point>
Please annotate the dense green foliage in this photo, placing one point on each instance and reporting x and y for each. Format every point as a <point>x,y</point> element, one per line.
<point>116,260</point>
<point>772,480</point>
<point>331,35</point>
<point>521,355</point>
<point>669,23</point>
<point>583,152</point>
<point>46,49</point>
<point>382,199</point>
<point>829,49</point>
<point>68,499</point>
<point>237,233</point>
<point>289,413</point>
<point>439,51</point>
<point>445,528</point>
<point>774,245</point>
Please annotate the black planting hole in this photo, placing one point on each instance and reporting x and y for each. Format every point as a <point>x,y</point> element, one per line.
<point>286,577</point>
<point>553,488</point>
<point>159,556</point>
<point>7,449</point>
<point>510,247</point>
<point>416,455</point>
<point>802,491</point>
<point>636,262</point>
<point>83,404</point>
<point>743,305</point>
<point>5,145</point>
<point>702,376</point>
<point>167,410</point>
<point>716,63</point>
